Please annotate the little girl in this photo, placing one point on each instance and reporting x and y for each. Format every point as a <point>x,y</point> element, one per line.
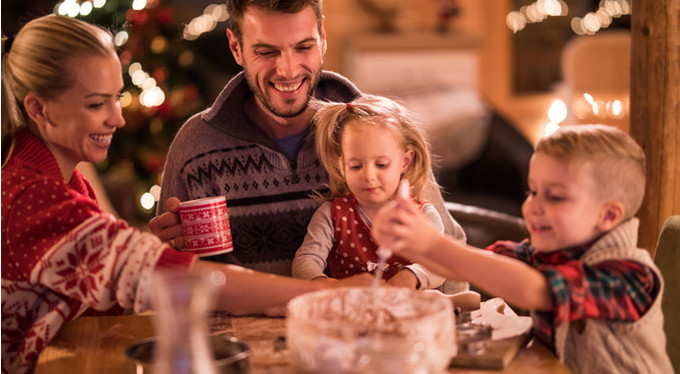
<point>367,146</point>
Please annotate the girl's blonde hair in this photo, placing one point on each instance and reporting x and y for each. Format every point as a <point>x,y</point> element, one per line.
<point>332,118</point>
<point>616,161</point>
<point>41,59</point>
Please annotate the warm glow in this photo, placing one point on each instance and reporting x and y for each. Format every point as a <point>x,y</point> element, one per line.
<point>159,44</point>
<point>617,109</point>
<point>98,3</point>
<point>134,67</point>
<point>121,38</point>
<point>85,8</point>
<point>139,77</point>
<point>147,201</point>
<point>138,4</point>
<point>551,127</point>
<point>125,99</point>
<point>558,111</point>
<point>186,58</point>
<point>212,14</point>
<point>515,21</point>
<point>155,191</point>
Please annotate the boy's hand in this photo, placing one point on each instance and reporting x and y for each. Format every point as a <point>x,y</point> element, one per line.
<point>168,226</point>
<point>402,227</point>
<point>404,278</point>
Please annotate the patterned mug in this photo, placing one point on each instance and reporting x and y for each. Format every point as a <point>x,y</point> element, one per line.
<point>206,226</point>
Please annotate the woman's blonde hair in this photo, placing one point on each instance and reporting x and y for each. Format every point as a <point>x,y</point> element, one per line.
<point>41,59</point>
<point>332,118</point>
<point>617,162</point>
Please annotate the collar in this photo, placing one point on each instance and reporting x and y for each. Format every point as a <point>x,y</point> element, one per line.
<point>33,153</point>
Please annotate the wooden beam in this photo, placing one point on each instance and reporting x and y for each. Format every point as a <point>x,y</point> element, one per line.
<point>655,109</point>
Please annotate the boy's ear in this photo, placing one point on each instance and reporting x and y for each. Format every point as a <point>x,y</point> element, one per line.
<point>611,215</point>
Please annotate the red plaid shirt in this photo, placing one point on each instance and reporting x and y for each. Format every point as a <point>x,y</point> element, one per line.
<point>614,290</point>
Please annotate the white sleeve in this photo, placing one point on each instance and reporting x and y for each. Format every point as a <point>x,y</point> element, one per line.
<point>310,258</point>
<point>102,262</point>
<point>426,278</point>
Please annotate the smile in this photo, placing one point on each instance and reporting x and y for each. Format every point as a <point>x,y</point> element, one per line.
<point>538,228</point>
<point>287,87</point>
<point>102,139</point>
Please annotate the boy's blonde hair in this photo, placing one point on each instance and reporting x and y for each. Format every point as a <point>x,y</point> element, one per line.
<point>332,118</point>
<point>617,161</point>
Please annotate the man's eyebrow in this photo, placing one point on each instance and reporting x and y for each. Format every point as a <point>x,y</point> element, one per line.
<point>265,45</point>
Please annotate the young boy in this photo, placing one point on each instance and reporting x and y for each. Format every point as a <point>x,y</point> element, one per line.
<point>595,297</point>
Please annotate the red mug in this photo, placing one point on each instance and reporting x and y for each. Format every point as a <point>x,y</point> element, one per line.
<point>206,226</point>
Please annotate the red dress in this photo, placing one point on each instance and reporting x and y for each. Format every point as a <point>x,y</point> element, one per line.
<point>355,251</point>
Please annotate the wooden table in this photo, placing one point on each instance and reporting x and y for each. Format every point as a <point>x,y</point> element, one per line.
<point>97,344</point>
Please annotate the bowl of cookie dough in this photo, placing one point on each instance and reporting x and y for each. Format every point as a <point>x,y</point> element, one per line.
<point>366,330</point>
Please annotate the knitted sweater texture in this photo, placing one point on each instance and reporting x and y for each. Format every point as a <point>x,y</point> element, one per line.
<point>62,256</point>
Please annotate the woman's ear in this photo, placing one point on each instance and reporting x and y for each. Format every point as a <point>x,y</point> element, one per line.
<point>407,160</point>
<point>611,215</point>
<point>35,109</point>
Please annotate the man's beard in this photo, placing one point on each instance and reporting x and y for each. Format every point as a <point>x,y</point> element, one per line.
<point>288,111</point>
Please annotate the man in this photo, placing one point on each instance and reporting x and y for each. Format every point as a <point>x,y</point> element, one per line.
<point>252,145</point>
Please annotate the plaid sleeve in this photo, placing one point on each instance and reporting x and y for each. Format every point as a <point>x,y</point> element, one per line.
<point>519,251</point>
<point>619,290</point>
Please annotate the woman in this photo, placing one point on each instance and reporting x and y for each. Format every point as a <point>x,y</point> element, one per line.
<point>62,256</point>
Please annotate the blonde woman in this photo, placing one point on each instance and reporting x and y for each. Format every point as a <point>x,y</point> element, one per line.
<point>62,257</point>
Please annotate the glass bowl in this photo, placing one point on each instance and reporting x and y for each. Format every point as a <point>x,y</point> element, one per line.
<point>361,330</point>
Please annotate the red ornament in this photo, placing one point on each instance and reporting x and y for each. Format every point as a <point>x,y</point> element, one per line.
<point>165,16</point>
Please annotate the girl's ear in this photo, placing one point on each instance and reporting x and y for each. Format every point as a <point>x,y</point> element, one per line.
<point>611,215</point>
<point>407,160</point>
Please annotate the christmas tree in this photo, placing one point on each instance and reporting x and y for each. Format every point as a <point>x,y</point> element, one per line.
<point>161,92</point>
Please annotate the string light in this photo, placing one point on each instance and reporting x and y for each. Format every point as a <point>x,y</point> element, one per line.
<point>212,14</point>
<point>589,24</point>
<point>151,95</point>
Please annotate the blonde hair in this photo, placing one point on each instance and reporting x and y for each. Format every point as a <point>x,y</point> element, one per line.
<point>41,60</point>
<point>618,162</point>
<point>332,118</point>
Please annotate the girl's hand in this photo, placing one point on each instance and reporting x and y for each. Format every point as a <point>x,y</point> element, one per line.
<point>404,278</point>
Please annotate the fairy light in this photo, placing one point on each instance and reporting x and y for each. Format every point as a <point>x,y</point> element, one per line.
<point>151,95</point>
<point>121,38</point>
<point>535,12</point>
<point>147,201</point>
<point>85,8</point>
<point>206,22</point>
<point>588,24</point>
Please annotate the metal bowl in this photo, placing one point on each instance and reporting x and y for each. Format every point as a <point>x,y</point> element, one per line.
<point>230,356</point>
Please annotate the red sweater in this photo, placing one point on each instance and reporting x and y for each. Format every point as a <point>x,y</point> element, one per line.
<point>61,255</point>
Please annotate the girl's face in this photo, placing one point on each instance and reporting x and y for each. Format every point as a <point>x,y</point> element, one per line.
<point>562,209</point>
<point>373,159</point>
<point>79,123</point>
